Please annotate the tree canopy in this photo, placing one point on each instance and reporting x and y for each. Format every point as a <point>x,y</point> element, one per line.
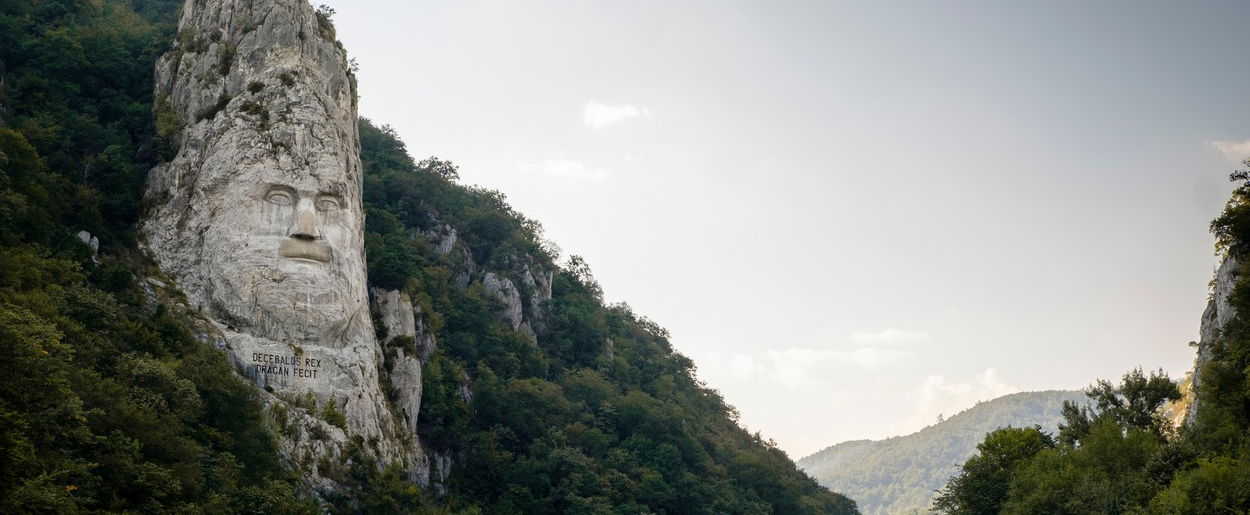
<point>110,400</point>
<point>1121,455</point>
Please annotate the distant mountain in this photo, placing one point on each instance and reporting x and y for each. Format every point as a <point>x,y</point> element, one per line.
<point>901,474</point>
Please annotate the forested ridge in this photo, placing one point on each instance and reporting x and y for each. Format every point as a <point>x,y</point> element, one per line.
<point>109,401</point>
<point>1122,454</point>
<point>601,416</point>
<point>901,474</point>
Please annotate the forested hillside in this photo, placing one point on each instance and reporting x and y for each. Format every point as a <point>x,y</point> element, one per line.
<point>109,400</point>
<point>902,474</point>
<point>597,414</point>
<point>1123,454</point>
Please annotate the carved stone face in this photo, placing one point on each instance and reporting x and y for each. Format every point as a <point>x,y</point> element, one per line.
<point>285,251</point>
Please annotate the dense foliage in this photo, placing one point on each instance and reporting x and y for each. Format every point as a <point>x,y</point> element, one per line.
<point>107,400</point>
<point>981,487</point>
<point>900,474</point>
<point>600,415</point>
<point>1121,455</point>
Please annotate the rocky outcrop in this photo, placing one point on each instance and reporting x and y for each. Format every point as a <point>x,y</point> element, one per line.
<point>444,238</point>
<point>91,242</point>
<point>502,289</point>
<point>514,313</point>
<point>395,313</point>
<point>1219,311</point>
<point>401,319</point>
<point>407,345</point>
<point>258,219</point>
<point>539,284</point>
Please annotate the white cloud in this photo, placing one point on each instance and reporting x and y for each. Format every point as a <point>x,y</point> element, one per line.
<point>938,396</point>
<point>889,337</point>
<point>809,367</point>
<point>565,169</point>
<point>1233,150</point>
<point>598,116</point>
<point>802,367</point>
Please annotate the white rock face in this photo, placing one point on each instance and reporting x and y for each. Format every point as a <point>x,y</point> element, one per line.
<point>258,218</point>
<point>513,310</point>
<point>90,240</point>
<point>1219,311</point>
<point>446,237</point>
<point>404,365</point>
<point>505,291</point>
<point>395,311</point>
<point>540,285</point>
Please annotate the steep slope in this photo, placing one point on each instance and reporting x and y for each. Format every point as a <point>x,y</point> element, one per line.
<point>900,474</point>
<point>107,401</point>
<point>258,218</point>
<point>1215,317</point>
<point>537,397</point>
<point>529,393</point>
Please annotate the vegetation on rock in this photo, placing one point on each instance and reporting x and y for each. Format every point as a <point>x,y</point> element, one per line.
<point>598,415</point>
<point>110,402</point>
<point>107,400</point>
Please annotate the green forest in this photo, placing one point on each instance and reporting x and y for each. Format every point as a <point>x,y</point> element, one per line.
<point>900,474</point>
<point>109,402</point>
<point>1120,454</point>
<point>601,417</point>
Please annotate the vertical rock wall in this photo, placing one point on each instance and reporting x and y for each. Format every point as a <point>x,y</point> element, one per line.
<point>1219,311</point>
<point>258,218</point>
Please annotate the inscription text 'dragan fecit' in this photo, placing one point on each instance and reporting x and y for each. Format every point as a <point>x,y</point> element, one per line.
<point>289,366</point>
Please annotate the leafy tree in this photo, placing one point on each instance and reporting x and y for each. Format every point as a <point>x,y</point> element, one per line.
<point>126,410</point>
<point>1133,404</point>
<point>1108,473</point>
<point>1112,457</point>
<point>107,401</point>
<point>1216,485</point>
<point>981,487</point>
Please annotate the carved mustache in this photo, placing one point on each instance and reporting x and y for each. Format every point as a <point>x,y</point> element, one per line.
<point>305,249</point>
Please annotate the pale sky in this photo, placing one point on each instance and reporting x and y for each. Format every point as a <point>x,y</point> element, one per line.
<point>853,216</point>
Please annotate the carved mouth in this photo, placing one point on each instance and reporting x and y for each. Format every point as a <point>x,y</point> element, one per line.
<point>304,249</point>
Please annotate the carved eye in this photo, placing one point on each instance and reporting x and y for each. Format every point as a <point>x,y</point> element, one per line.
<point>280,197</point>
<point>326,203</point>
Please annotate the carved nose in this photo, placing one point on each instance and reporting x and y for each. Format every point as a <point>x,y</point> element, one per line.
<point>305,225</point>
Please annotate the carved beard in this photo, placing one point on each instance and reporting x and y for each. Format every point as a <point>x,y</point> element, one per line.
<point>292,302</point>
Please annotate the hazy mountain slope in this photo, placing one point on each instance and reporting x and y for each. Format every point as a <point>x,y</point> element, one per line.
<point>901,473</point>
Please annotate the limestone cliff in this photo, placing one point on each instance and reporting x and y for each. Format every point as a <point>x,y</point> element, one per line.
<point>1219,311</point>
<point>258,218</point>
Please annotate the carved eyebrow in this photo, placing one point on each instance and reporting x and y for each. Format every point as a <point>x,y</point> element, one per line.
<point>278,188</point>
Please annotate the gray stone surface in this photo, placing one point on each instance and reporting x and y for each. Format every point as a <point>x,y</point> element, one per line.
<point>503,289</point>
<point>396,314</point>
<point>1219,311</point>
<point>258,218</point>
<point>90,241</point>
<point>513,312</point>
<point>540,285</point>
<point>446,238</point>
